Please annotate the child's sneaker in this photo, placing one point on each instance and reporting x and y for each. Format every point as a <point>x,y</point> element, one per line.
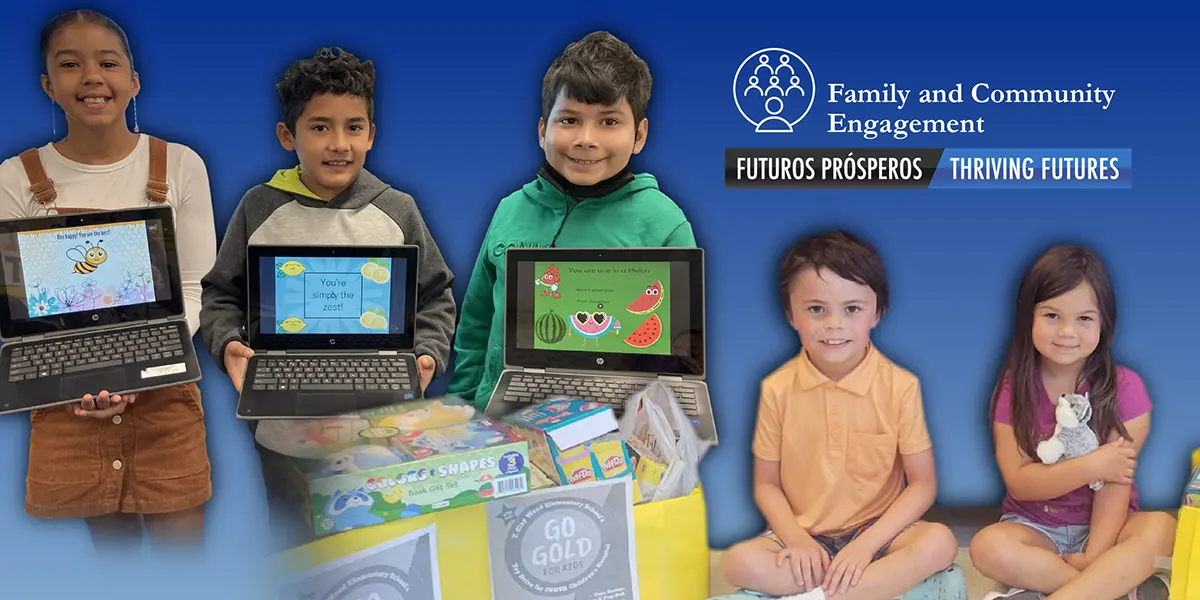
<point>1157,587</point>
<point>949,584</point>
<point>1015,594</point>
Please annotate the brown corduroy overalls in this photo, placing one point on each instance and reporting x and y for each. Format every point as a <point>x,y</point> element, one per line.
<point>150,459</point>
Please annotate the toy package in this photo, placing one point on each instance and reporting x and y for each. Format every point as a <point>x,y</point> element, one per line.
<point>315,439</point>
<point>403,475</point>
<point>648,471</point>
<point>1191,495</point>
<point>573,441</point>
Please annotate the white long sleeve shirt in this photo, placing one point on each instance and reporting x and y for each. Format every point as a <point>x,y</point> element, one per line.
<point>123,185</point>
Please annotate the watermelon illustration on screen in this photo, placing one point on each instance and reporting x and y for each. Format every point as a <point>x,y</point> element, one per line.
<point>593,325</point>
<point>646,334</point>
<point>648,301</point>
<point>550,328</point>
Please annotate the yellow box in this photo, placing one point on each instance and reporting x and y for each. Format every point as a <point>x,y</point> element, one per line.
<point>671,540</point>
<point>1185,558</point>
<point>672,548</point>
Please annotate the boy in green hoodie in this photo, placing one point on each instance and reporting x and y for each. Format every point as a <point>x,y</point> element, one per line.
<point>594,99</point>
<point>329,199</point>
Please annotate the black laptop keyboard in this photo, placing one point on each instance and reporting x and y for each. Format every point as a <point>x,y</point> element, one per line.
<point>99,351</point>
<point>332,374</point>
<point>530,387</point>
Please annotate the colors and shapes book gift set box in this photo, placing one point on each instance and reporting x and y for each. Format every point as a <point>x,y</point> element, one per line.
<point>413,473</point>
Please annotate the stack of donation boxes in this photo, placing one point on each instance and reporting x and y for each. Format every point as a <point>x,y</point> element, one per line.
<point>423,457</point>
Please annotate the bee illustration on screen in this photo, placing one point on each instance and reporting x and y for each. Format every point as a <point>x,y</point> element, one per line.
<point>87,258</point>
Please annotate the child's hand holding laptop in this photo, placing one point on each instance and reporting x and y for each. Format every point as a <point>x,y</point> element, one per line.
<point>103,406</point>
<point>237,357</point>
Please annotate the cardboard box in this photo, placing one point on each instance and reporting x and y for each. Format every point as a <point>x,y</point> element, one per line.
<point>408,474</point>
<point>572,440</point>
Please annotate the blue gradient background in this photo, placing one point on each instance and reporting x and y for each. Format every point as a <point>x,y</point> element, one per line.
<point>458,103</point>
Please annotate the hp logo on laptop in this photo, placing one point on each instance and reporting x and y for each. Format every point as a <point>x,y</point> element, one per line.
<point>599,361</point>
<point>95,317</point>
<point>332,342</point>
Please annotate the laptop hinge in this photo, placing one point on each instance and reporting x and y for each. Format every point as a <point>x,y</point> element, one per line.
<point>532,370</point>
<point>33,338</point>
<point>388,352</point>
<point>275,352</point>
<point>61,334</point>
<point>670,377</point>
<point>158,321</point>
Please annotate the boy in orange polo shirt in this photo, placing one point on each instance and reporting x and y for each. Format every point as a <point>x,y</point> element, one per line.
<point>843,468</point>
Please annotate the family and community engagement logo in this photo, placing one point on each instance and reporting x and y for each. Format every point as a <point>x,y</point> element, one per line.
<point>774,89</point>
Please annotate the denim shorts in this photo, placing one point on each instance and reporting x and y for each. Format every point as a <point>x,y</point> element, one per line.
<point>1069,539</point>
<point>834,545</point>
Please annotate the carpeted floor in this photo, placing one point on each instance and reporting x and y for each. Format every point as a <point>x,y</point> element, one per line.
<point>964,523</point>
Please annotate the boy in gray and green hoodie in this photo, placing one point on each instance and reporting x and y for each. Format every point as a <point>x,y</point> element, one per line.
<point>329,199</point>
<point>594,99</point>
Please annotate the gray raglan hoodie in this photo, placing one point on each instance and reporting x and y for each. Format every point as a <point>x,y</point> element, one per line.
<point>283,211</point>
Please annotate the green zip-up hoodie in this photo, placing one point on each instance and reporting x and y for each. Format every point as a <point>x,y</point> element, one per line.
<point>539,214</point>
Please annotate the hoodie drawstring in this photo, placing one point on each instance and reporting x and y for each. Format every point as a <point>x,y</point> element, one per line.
<point>563,223</point>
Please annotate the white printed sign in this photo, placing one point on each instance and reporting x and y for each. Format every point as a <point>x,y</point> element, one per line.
<point>564,543</point>
<point>403,568</point>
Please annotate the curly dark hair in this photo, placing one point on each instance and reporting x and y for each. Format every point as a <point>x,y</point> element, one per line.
<point>330,71</point>
<point>598,69</point>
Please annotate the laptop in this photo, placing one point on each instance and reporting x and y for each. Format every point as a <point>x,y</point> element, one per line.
<point>92,302</point>
<point>332,329</point>
<point>601,324</point>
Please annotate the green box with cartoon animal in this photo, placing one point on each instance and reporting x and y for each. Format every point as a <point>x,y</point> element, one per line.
<point>415,473</point>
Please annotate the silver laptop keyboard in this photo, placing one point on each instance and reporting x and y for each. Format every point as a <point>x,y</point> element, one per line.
<point>332,374</point>
<point>99,351</point>
<point>531,387</point>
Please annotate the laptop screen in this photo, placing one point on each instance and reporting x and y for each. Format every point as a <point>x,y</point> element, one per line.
<point>72,271</point>
<point>361,297</point>
<point>624,310</point>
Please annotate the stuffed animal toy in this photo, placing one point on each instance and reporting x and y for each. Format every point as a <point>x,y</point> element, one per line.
<point>1072,437</point>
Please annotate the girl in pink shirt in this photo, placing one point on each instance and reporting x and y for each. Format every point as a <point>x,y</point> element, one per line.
<point>1058,538</point>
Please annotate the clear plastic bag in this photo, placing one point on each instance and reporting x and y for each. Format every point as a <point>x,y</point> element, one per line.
<point>655,427</point>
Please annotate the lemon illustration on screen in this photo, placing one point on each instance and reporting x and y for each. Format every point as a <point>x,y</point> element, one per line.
<point>374,318</point>
<point>290,268</point>
<point>373,271</point>
<point>292,324</point>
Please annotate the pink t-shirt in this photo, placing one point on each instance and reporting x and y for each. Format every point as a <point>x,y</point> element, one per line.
<point>1074,508</point>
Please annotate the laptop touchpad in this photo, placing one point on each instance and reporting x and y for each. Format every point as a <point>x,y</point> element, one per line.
<point>326,403</point>
<point>78,386</point>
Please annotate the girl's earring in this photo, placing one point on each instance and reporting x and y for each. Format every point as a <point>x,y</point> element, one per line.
<point>53,121</point>
<point>135,121</point>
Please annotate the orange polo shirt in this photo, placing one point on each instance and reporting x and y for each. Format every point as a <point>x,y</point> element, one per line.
<point>839,442</point>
